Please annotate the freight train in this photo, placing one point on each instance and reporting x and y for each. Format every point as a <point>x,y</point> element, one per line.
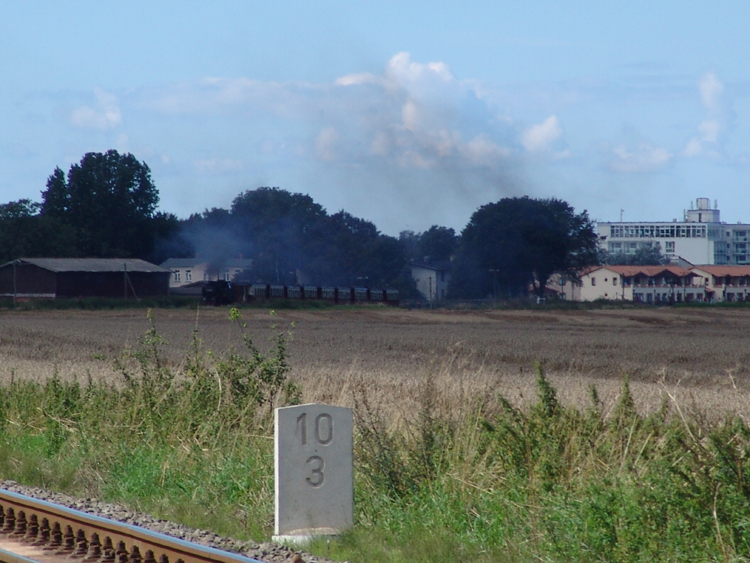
<point>221,292</point>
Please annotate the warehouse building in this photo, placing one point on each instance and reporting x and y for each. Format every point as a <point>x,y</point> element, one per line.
<point>55,278</point>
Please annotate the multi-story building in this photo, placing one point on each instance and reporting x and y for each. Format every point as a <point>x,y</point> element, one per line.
<point>701,238</point>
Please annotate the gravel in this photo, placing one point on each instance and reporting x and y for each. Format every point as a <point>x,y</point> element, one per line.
<point>267,552</point>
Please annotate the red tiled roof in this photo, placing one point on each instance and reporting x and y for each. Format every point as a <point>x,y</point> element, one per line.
<point>723,271</point>
<point>650,271</point>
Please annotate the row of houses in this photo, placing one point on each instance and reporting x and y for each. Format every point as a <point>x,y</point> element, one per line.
<point>658,284</point>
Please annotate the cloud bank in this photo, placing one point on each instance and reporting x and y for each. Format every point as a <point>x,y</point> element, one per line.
<point>407,146</point>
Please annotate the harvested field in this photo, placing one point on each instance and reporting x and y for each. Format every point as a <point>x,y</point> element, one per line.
<point>700,356</point>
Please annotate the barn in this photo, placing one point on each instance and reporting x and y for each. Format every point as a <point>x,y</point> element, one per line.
<point>61,278</point>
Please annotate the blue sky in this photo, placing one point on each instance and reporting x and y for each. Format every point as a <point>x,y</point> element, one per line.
<point>406,114</point>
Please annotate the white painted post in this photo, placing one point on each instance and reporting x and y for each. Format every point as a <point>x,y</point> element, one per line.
<point>314,482</point>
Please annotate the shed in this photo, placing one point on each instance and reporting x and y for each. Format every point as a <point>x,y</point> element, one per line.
<point>55,278</point>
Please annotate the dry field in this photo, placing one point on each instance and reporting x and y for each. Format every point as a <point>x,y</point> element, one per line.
<point>699,356</point>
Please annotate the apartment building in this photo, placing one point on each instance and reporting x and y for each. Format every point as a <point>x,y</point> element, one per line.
<point>701,238</point>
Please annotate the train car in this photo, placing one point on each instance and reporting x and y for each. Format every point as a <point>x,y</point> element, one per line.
<point>277,291</point>
<point>294,292</point>
<point>339,295</point>
<point>309,292</point>
<point>391,297</point>
<point>259,291</point>
<point>377,296</point>
<point>361,294</point>
<point>344,295</point>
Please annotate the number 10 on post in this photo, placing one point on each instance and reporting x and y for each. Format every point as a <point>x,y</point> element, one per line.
<point>314,483</point>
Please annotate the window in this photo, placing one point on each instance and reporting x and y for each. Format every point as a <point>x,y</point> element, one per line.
<point>176,275</point>
<point>669,247</point>
<point>614,281</point>
<point>188,275</point>
<point>593,281</point>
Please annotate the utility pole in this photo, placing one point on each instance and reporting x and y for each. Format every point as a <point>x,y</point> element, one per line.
<point>15,291</point>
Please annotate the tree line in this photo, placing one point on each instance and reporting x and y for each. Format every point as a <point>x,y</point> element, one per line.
<point>106,206</point>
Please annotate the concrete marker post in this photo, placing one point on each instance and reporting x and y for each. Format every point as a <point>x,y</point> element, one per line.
<point>314,484</point>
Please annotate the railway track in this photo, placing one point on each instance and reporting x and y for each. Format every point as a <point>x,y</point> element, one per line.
<point>33,530</point>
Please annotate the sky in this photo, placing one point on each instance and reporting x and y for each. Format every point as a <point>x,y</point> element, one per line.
<point>407,114</point>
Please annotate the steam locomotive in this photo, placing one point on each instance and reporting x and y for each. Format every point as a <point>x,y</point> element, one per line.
<point>222,292</point>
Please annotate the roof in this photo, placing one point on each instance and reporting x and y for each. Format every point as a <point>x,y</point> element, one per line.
<point>437,266</point>
<point>91,264</point>
<point>650,271</point>
<point>723,271</point>
<point>171,263</point>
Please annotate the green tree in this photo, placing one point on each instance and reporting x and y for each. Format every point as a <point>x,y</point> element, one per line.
<point>436,244</point>
<point>275,227</point>
<point>24,233</point>
<point>516,243</point>
<point>109,200</point>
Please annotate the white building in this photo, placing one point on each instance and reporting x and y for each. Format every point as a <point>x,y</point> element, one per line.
<point>701,238</point>
<point>190,270</point>
<point>661,284</point>
<point>432,279</point>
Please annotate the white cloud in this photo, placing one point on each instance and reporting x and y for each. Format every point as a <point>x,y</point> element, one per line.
<point>401,71</point>
<point>356,79</point>
<point>644,158</point>
<point>104,115</point>
<point>538,138</point>
<point>325,144</point>
<point>712,131</point>
<point>423,117</point>
<point>482,151</point>
<point>711,89</point>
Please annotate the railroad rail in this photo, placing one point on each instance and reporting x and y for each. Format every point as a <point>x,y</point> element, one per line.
<point>33,530</point>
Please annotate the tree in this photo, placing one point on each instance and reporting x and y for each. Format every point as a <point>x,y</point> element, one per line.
<point>109,200</point>
<point>24,233</point>
<point>275,227</point>
<point>287,234</point>
<point>436,244</point>
<point>516,243</point>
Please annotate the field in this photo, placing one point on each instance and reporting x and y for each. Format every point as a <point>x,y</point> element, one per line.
<point>629,443</point>
<point>701,356</point>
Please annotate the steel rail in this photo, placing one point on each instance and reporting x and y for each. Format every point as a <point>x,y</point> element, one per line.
<point>45,531</point>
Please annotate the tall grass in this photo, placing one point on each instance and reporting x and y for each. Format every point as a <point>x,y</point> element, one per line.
<point>485,481</point>
<point>193,445</point>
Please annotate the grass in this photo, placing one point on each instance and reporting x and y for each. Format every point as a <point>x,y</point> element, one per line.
<point>457,470</point>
